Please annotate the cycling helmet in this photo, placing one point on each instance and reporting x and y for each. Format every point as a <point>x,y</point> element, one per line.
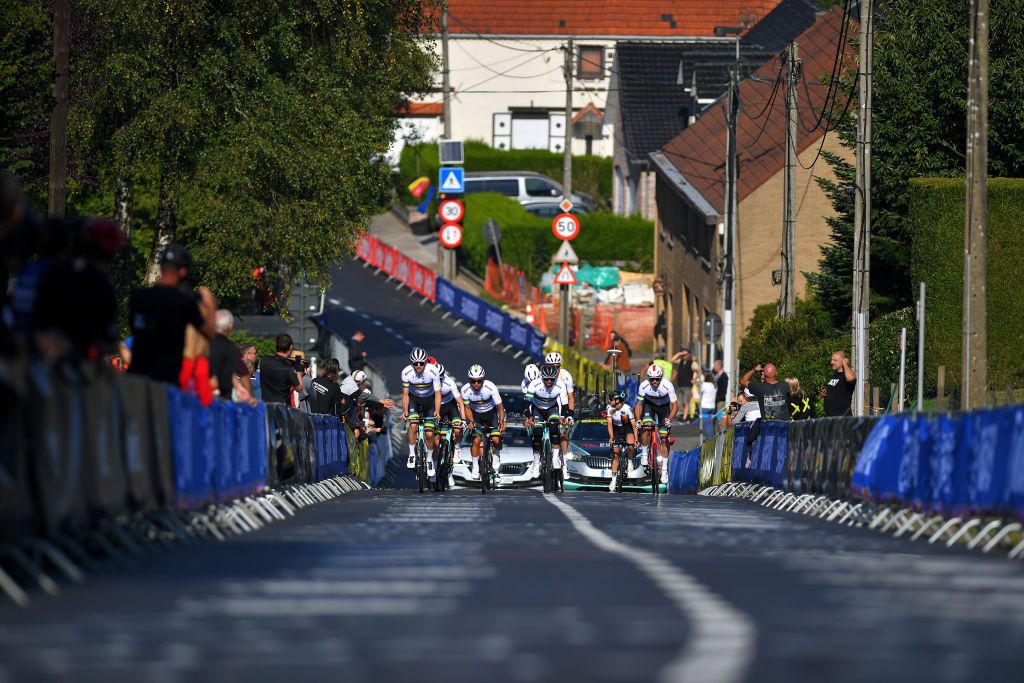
<point>553,358</point>
<point>418,355</point>
<point>440,369</point>
<point>655,372</point>
<point>432,360</point>
<point>618,396</point>
<point>549,371</point>
<point>476,372</point>
<point>359,376</point>
<point>531,373</point>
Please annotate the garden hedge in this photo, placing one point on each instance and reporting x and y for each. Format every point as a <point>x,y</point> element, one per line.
<point>937,216</point>
<point>590,174</point>
<point>528,243</point>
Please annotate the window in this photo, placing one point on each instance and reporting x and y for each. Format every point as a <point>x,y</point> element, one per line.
<point>473,186</point>
<point>591,62</point>
<point>538,187</point>
<point>509,188</point>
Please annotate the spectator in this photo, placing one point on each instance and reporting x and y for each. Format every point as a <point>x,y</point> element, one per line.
<point>620,361</point>
<point>682,377</point>
<point>839,391</point>
<point>159,315</point>
<point>277,373</point>
<point>226,361</point>
<point>75,312</point>
<point>800,407</point>
<point>251,361</point>
<point>708,393</point>
<point>356,354</point>
<point>722,382</point>
<point>750,409</point>
<point>124,350</point>
<point>325,394</point>
<point>696,379</point>
<point>302,366</point>
<point>659,360</point>
<point>771,394</point>
<point>194,376</point>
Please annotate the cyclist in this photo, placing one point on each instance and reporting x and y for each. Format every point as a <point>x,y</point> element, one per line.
<point>421,401</point>
<point>565,379</point>
<point>656,404</point>
<point>530,373</point>
<point>621,430</point>
<point>546,401</point>
<point>484,415</point>
<point>452,409</point>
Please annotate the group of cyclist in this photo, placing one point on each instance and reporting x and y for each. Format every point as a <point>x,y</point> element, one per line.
<point>431,396</point>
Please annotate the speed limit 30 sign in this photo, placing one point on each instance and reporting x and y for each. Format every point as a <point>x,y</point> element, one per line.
<point>451,211</point>
<point>565,226</point>
<point>450,235</point>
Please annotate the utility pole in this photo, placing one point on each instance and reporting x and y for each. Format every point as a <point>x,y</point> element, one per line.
<point>787,302</point>
<point>563,294</point>
<point>728,281</point>
<point>446,257</point>
<point>862,210</point>
<point>58,187</point>
<point>974,380</point>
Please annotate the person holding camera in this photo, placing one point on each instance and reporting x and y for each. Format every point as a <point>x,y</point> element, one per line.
<point>771,394</point>
<point>278,373</point>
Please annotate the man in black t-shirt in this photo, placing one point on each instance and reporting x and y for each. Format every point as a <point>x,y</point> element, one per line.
<point>226,359</point>
<point>324,392</point>
<point>839,391</point>
<point>278,375</point>
<point>159,314</point>
<point>356,354</point>
<point>771,394</point>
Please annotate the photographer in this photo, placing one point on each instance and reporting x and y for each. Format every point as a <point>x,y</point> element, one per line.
<point>278,374</point>
<point>324,392</point>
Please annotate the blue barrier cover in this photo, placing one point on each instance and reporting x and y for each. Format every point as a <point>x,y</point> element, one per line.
<point>684,471</point>
<point>478,312</point>
<point>739,452</point>
<point>631,389</point>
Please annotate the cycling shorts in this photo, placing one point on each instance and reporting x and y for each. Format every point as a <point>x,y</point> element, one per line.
<point>656,415</point>
<point>551,416</point>
<point>486,423</point>
<point>422,408</point>
<point>450,413</point>
<point>620,432</point>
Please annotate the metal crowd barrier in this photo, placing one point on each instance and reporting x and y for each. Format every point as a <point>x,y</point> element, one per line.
<point>97,467</point>
<point>949,478</point>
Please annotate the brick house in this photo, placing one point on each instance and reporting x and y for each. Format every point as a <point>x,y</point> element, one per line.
<point>690,189</point>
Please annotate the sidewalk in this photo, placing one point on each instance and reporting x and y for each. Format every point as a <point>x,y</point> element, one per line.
<point>392,230</point>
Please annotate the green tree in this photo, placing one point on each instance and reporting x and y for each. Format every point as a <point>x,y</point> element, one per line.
<point>25,84</point>
<point>919,129</point>
<point>258,128</point>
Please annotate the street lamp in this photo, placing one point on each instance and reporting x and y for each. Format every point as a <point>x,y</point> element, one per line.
<point>722,31</point>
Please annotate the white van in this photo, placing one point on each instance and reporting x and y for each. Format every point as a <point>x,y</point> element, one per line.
<point>524,187</point>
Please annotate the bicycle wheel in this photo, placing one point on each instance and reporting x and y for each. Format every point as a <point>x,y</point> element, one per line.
<point>546,469</point>
<point>655,474</point>
<point>485,466</point>
<point>441,480</point>
<point>421,466</point>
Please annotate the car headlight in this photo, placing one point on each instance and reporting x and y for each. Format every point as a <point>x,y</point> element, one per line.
<point>575,452</point>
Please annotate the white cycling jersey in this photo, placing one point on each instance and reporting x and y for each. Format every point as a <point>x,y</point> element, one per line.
<point>662,395</point>
<point>421,384</point>
<point>565,379</point>
<point>545,397</point>
<point>481,400</point>
<point>621,416</point>
<point>448,389</point>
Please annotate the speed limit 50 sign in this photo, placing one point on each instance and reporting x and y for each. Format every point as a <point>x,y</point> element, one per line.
<point>565,226</point>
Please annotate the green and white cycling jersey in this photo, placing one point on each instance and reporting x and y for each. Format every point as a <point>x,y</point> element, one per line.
<point>661,395</point>
<point>483,399</point>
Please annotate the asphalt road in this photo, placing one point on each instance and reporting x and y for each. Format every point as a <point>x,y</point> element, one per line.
<point>395,322</point>
<point>518,586</point>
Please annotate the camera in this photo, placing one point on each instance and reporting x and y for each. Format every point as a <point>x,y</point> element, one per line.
<point>734,407</point>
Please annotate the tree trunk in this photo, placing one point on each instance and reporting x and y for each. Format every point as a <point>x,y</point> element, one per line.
<point>163,236</point>
<point>124,207</point>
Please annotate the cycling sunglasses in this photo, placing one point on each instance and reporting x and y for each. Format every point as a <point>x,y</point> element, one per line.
<point>476,381</point>
<point>419,365</point>
<point>654,380</point>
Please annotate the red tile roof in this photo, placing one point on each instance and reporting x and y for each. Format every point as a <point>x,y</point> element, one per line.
<point>602,17</point>
<point>421,109</point>
<point>699,151</point>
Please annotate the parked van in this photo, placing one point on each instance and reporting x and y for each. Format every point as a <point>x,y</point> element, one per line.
<point>523,186</point>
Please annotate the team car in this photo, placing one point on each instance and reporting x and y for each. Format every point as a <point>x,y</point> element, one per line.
<point>516,457</point>
<point>590,458</point>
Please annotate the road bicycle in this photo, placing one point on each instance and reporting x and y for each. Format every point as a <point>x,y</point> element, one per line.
<point>627,451</point>
<point>653,457</point>
<point>421,459</point>
<point>488,475</point>
<point>553,479</point>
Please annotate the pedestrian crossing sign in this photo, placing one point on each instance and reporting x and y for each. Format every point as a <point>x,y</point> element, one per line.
<point>451,179</point>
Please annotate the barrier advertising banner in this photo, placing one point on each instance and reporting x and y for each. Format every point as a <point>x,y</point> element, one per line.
<point>476,311</point>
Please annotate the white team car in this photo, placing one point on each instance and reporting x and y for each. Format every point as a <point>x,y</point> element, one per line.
<point>516,458</point>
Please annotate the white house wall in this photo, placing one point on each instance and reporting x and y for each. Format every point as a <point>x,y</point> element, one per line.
<point>497,77</point>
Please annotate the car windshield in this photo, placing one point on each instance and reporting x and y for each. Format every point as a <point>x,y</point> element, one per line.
<point>590,431</point>
<point>514,402</point>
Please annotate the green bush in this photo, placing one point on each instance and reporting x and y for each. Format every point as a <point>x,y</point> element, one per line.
<point>590,174</point>
<point>264,345</point>
<point>528,243</point>
<point>884,343</point>
<point>937,217</point>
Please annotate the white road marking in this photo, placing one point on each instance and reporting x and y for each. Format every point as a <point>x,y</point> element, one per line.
<point>721,645</point>
<point>350,309</point>
<point>334,302</point>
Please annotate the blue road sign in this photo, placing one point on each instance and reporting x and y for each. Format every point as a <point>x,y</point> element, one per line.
<point>451,179</point>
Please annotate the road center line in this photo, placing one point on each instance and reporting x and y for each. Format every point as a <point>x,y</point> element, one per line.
<point>721,645</point>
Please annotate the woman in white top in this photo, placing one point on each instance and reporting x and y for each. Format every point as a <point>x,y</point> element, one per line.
<point>708,391</point>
